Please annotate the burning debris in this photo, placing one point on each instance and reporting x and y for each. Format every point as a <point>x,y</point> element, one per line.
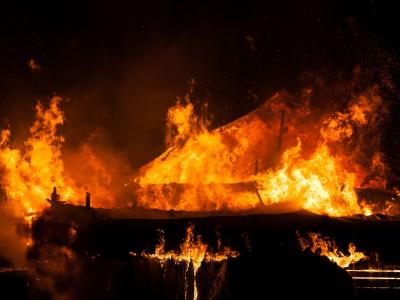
<point>193,252</point>
<point>326,246</point>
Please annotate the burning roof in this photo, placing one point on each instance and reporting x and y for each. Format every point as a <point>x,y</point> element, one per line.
<point>283,152</point>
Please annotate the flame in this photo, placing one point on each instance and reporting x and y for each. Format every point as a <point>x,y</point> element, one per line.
<point>207,163</point>
<point>281,153</point>
<point>238,167</point>
<point>326,246</point>
<point>182,123</point>
<point>319,184</point>
<point>341,125</point>
<point>192,252</point>
<point>29,174</point>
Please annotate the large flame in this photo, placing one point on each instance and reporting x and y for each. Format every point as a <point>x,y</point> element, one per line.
<point>193,252</point>
<point>283,152</point>
<point>318,184</point>
<point>325,246</point>
<point>260,159</point>
<point>31,173</point>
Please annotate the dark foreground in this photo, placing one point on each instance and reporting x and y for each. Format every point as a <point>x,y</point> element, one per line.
<point>81,253</point>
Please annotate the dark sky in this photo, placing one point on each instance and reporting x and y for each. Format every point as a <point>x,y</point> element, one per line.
<point>122,64</point>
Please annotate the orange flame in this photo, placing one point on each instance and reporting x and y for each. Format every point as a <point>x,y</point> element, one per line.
<point>280,153</point>
<point>319,184</point>
<point>235,167</point>
<point>30,174</point>
<point>327,247</point>
<point>192,252</point>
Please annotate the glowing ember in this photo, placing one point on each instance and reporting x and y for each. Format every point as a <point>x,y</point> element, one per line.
<point>325,246</point>
<point>192,252</point>
<point>34,65</point>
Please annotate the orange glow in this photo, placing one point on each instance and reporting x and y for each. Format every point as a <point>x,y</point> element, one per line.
<point>30,174</point>
<point>283,152</point>
<point>192,252</point>
<point>319,184</point>
<point>327,247</point>
<point>260,159</point>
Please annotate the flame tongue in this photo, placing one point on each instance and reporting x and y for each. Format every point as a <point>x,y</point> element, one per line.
<point>29,175</point>
<point>319,183</point>
<point>192,252</point>
<point>327,247</point>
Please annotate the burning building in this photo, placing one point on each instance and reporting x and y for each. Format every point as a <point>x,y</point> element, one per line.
<point>248,186</point>
<point>295,194</point>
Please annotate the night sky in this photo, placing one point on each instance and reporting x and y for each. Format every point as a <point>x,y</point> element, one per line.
<point>122,64</point>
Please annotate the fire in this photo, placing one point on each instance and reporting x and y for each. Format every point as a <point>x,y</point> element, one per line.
<point>29,174</point>
<point>325,246</point>
<point>260,160</point>
<point>319,184</point>
<point>182,123</point>
<point>283,152</point>
<point>193,252</point>
<point>205,166</point>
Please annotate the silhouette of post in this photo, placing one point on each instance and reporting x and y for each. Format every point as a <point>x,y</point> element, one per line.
<point>54,198</point>
<point>87,200</point>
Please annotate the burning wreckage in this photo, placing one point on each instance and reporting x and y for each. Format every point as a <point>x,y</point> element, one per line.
<point>278,198</point>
